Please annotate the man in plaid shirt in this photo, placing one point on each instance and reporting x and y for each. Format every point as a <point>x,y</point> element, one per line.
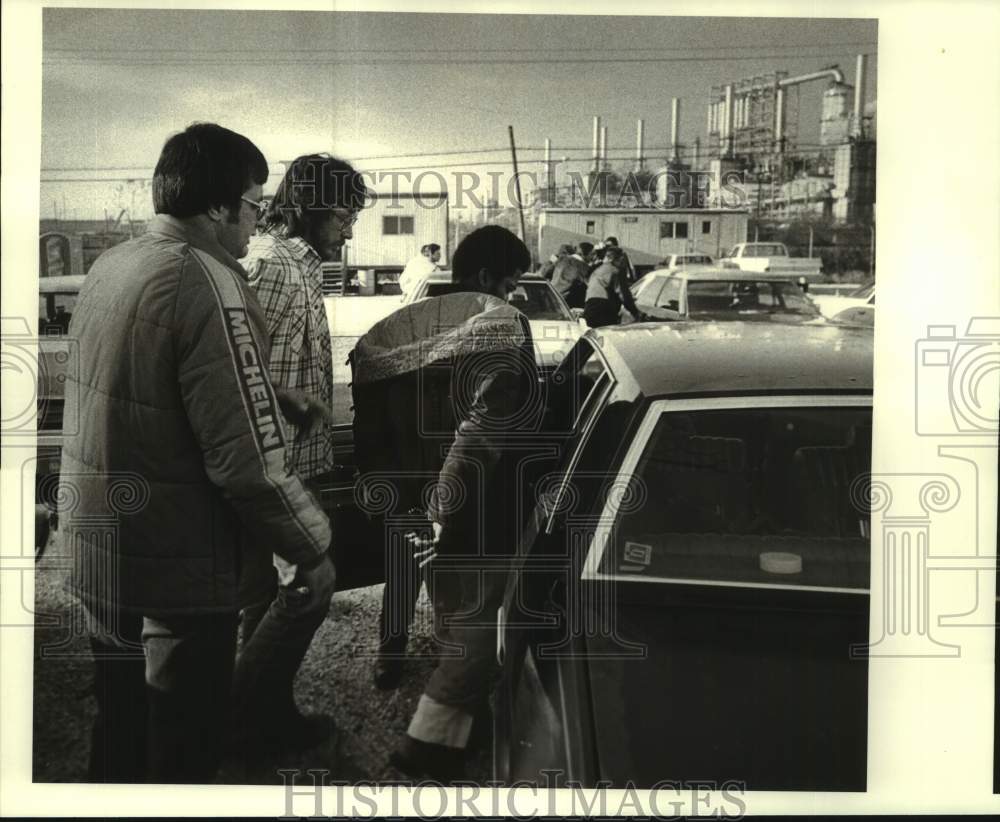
<point>305,225</point>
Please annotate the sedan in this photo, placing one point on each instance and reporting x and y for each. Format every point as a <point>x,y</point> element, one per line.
<point>690,600</point>
<point>721,294</point>
<point>832,305</point>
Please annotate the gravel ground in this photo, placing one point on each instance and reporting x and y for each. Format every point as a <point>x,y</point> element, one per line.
<point>335,681</point>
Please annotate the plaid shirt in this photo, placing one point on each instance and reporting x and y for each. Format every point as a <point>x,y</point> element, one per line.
<point>285,273</point>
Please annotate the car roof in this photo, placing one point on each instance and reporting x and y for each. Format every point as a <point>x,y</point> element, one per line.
<point>699,358</point>
<point>439,276</point>
<point>60,285</point>
<point>721,274</point>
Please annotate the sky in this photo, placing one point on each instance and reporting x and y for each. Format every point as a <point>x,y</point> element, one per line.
<point>399,91</point>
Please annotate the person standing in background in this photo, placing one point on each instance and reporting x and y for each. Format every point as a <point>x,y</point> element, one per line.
<point>425,263</point>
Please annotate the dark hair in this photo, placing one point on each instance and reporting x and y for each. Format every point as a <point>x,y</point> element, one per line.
<point>491,247</point>
<point>611,241</point>
<point>613,252</point>
<point>314,184</point>
<point>431,247</point>
<point>205,166</point>
<point>586,248</point>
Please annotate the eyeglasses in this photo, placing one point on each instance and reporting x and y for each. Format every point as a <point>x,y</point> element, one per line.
<point>346,221</point>
<point>260,207</point>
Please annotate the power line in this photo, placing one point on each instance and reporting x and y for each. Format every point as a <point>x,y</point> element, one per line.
<point>556,149</point>
<point>112,60</point>
<point>256,51</point>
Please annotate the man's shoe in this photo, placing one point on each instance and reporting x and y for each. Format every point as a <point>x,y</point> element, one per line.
<point>388,674</point>
<point>425,759</point>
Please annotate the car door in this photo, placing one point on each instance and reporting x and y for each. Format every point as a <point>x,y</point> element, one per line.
<point>725,597</point>
<point>542,701</point>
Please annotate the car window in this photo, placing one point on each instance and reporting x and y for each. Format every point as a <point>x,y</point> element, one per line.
<point>55,311</point>
<point>671,295</point>
<point>746,295</point>
<point>750,495</point>
<point>538,301</point>
<point>650,290</point>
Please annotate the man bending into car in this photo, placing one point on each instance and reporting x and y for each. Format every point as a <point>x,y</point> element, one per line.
<point>442,390</point>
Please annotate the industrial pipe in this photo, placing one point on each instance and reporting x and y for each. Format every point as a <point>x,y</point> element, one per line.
<point>728,121</point>
<point>597,149</point>
<point>639,128</point>
<point>675,113</point>
<point>859,96</point>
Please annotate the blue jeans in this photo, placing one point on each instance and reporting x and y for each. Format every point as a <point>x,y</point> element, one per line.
<point>276,637</point>
<point>163,690</point>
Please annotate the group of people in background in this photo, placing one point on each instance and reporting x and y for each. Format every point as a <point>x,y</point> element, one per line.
<point>597,279</point>
<point>205,382</point>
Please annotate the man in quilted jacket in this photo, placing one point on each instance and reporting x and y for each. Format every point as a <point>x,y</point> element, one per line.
<point>176,489</point>
<point>447,406</point>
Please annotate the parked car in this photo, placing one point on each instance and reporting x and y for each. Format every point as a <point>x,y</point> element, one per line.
<point>691,591</point>
<point>554,326</point>
<point>773,258</point>
<point>722,294</point>
<point>832,305</point>
<point>56,355</point>
<point>675,262</point>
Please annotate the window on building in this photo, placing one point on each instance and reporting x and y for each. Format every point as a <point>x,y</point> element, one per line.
<point>673,230</point>
<point>590,227</point>
<point>397,225</point>
<point>706,226</point>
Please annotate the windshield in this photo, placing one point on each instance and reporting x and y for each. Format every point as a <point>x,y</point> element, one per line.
<point>864,292</point>
<point>537,301</point>
<point>742,296</point>
<point>758,495</point>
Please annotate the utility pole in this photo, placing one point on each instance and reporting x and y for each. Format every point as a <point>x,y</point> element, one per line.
<point>517,185</point>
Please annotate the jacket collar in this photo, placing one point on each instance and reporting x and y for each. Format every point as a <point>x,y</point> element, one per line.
<point>191,231</point>
<point>437,329</point>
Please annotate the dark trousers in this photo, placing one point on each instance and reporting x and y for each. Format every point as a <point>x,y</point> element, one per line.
<point>403,578</point>
<point>163,691</point>
<point>276,637</point>
<point>467,616</point>
<point>599,312</point>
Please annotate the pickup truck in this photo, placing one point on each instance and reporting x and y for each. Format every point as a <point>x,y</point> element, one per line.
<point>773,258</point>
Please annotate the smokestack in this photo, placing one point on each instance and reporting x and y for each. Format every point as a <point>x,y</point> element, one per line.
<point>779,121</point>
<point>604,148</point>
<point>639,127</point>
<point>696,160</point>
<point>859,96</point>
<point>597,144</point>
<point>548,164</point>
<point>675,115</point>
<point>727,118</point>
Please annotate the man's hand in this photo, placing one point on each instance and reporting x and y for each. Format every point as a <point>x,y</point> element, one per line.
<point>306,412</point>
<point>425,548</point>
<point>317,584</point>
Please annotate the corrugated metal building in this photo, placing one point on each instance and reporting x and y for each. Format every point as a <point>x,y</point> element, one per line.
<point>646,234</point>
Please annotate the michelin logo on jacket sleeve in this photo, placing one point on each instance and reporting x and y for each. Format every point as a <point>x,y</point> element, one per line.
<point>255,388</point>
